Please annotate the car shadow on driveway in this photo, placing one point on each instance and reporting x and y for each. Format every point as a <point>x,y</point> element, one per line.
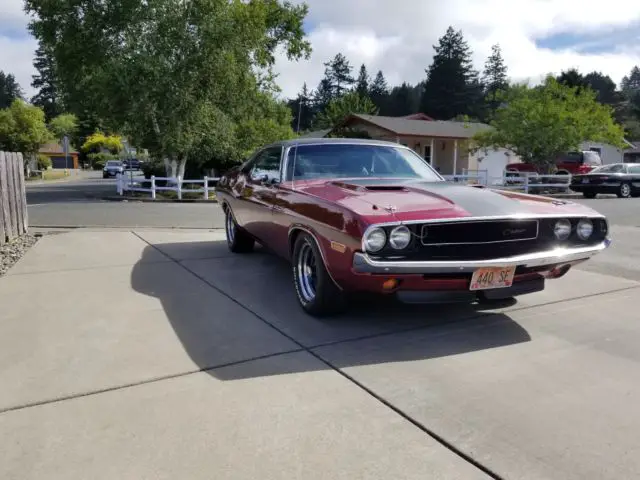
<point>247,310</point>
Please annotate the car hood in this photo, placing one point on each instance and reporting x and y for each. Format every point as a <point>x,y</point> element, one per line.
<point>407,200</point>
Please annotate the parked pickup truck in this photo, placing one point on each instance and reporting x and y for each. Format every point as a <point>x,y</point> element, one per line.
<point>574,163</point>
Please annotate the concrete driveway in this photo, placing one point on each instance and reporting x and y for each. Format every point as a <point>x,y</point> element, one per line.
<point>159,355</point>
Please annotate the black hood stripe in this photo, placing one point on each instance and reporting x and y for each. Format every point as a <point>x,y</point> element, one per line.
<point>478,202</point>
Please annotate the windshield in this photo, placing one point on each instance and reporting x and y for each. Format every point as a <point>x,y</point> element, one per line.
<point>307,162</point>
<point>113,163</point>
<point>615,168</point>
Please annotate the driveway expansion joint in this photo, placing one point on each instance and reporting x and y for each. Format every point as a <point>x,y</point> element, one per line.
<point>303,348</point>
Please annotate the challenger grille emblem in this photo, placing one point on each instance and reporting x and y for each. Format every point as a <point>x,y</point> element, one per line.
<point>513,231</point>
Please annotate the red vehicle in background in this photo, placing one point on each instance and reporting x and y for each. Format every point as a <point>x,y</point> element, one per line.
<point>573,163</point>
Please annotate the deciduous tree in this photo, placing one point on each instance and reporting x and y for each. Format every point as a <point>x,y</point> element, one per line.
<point>540,123</point>
<point>65,124</point>
<point>340,108</point>
<point>164,71</point>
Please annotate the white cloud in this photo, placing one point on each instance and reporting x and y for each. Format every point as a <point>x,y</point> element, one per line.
<point>397,36</point>
<point>16,57</point>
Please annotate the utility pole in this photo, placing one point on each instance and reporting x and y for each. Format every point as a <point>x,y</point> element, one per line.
<point>299,113</point>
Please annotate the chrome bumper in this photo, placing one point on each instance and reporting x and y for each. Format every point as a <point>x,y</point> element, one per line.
<point>362,263</point>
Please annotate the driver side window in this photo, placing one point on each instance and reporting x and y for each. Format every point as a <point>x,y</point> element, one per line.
<point>267,163</point>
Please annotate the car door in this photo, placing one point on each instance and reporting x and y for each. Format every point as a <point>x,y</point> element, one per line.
<point>256,192</point>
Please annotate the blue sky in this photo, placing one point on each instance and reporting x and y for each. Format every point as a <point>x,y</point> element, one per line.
<point>598,42</point>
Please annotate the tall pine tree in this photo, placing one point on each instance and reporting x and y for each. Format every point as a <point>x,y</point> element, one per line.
<point>379,91</point>
<point>452,87</point>
<point>631,83</point>
<point>9,89</point>
<point>362,82</point>
<point>494,78</point>
<point>301,110</point>
<point>323,95</point>
<point>338,74</point>
<point>45,81</point>
<point>403,100</point>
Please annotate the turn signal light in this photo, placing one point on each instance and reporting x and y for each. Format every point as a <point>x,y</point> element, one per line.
<point>390,284</point>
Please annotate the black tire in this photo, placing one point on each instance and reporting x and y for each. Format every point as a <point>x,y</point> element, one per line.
<point>589,194</point>
<point>320,296</point>
<point>238,240</point>
<point>624,191</point>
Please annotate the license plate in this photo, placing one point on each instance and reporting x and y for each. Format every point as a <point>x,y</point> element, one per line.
<point>585,180</point>
<point>488,278</point>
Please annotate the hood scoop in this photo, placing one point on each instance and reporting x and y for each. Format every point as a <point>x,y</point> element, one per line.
<point>385,188</point>
<point>369,188</point>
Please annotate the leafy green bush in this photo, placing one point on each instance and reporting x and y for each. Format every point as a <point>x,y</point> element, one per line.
<point>154,168</point>
<point>44,162</point>
<point>98,160</point>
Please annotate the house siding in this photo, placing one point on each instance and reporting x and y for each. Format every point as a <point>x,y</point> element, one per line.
<point>443,148</point>
<point>608,153</point>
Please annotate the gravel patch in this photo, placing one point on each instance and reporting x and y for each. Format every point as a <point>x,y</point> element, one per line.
<point>13,251</point>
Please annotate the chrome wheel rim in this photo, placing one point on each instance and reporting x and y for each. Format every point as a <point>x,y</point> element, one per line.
<point>306,272</point>
<point>230,228</point>
<point>625,189</point>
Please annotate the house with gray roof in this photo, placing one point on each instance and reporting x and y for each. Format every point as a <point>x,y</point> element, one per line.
<point>444,144</point>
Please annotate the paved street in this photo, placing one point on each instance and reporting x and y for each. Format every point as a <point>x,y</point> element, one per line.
<point>78,204</point>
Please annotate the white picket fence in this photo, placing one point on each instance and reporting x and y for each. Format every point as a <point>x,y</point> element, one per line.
<point>523,181</point>
<point>174,184</point>
<point>528,182</point>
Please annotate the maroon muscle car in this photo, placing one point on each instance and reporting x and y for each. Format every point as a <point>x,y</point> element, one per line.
<point>371,216</point>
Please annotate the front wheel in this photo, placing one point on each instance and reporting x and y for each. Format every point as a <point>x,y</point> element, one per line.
<point>238,241</point>
<point>317,293</point>
<point>589,194</point>
<point>624,191</point>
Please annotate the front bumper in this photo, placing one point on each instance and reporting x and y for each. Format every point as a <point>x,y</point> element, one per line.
<point>362,263</point>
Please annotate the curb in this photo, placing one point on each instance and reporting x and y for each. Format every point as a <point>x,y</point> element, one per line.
<point>157,200</point>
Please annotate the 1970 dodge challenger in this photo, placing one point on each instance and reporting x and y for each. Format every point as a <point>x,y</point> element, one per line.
<point>363,215</point>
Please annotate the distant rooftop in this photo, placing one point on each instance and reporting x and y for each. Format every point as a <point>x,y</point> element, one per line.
<point>415,127</point>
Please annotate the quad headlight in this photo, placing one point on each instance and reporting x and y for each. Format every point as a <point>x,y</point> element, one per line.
<point>562,229</point>
<point>585,229</point>
<point>374,240</point>
<point>400,237</point>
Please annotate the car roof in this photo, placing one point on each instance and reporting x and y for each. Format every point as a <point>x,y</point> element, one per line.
<point>332,141</point>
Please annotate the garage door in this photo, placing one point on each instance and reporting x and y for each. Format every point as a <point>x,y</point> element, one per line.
<point>59,162</point>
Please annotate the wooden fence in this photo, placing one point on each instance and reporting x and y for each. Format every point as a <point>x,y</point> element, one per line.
<point>13,197</point>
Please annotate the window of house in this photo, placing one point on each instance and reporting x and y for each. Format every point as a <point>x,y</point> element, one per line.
<point>427,153</point>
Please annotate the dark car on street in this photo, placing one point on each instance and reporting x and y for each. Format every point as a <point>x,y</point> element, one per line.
<point>621,179</point>
<point>371,216</point>
<point>132,164</point>
<point>112,168</point>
